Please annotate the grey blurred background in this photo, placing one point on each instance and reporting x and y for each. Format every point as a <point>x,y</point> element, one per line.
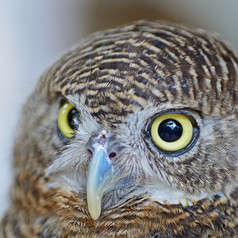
<point>33,33</point>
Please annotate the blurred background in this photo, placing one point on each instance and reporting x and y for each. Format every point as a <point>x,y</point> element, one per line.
<point>33,33</point>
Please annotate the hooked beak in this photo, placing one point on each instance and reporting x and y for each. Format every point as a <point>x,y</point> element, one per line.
<point>100,173</point>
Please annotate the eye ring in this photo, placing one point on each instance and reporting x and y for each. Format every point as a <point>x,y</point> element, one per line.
<point>63,120</point>
<point>183,140</point>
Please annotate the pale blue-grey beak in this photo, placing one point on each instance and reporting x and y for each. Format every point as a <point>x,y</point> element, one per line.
<point>99,173</point>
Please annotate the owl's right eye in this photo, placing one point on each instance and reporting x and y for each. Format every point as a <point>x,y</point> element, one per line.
<point>67,120</point>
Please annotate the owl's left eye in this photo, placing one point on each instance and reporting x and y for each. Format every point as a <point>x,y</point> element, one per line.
<point>173,132</point>
<point>67,120</point>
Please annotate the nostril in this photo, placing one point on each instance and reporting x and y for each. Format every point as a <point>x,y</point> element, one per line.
<point>112,155</point>
<point>90,152</point>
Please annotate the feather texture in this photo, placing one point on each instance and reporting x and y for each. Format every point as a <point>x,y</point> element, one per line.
<point>119,81</point>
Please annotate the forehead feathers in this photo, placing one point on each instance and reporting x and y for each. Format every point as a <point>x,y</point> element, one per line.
<point>127,67</point>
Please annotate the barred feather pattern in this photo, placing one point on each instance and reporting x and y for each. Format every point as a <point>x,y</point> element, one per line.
<point>113,75</point>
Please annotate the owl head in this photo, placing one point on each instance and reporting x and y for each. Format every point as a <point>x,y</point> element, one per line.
<point>132,125</point>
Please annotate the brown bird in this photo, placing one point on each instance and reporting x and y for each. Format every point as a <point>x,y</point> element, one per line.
<point>134,133</point>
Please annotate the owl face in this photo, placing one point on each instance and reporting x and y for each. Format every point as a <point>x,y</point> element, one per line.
<point>143,114</point>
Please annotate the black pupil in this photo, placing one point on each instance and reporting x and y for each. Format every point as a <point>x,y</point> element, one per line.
<point>170,130</point>
<point>72,119</point>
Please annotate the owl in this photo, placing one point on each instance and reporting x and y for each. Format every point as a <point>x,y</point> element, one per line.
<point>133,133</point>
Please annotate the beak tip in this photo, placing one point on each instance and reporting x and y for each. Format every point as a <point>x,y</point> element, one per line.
<point>94,198</point>
<point>95,217</point>
<point>95,212</point>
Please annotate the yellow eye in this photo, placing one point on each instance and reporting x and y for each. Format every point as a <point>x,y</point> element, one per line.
<point>171,132</point>
<point>67,118</point>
